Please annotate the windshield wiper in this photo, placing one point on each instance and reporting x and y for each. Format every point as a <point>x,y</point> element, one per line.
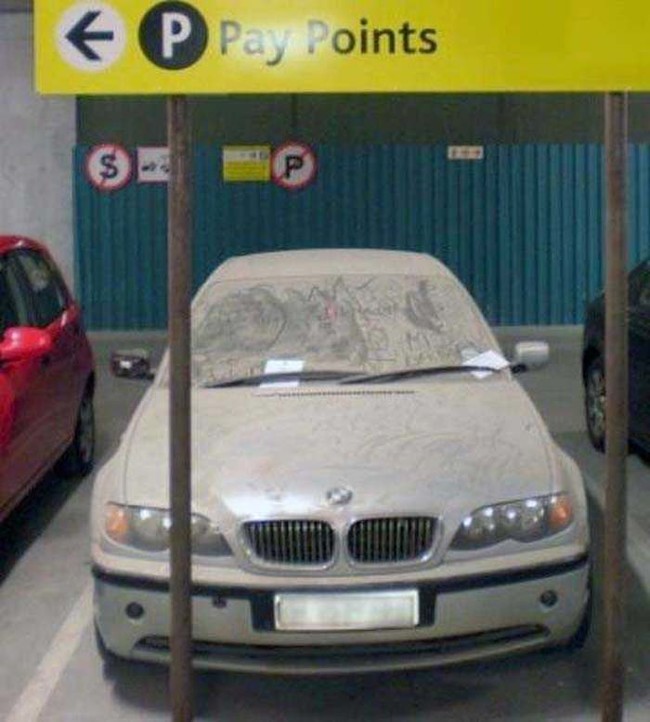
<point>388,376</point>
<point>283,377</point>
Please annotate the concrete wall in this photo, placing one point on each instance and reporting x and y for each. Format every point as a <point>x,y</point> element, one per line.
<point>36,140</point>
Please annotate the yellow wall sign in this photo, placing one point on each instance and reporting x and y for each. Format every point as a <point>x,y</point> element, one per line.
<point>246,163</point>
<point>296,46</point>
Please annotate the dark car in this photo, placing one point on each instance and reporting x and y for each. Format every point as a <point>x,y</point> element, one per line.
<point>47,376</point>
<point>593,362</point>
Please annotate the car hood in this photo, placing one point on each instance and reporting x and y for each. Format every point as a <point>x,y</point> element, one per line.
<point>258,453</point>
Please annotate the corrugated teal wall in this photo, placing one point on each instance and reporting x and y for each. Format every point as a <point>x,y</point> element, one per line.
<point>523,228</point>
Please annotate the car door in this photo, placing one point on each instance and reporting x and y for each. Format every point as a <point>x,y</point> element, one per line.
<point>639,323</point>
<point>25,448</point>
<point>59,378</point>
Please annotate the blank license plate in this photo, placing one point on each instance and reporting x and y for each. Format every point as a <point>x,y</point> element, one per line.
<point>347,611</point>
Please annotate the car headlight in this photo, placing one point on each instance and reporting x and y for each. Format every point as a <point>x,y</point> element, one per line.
<point>148,529</point>
<point>527,520</point>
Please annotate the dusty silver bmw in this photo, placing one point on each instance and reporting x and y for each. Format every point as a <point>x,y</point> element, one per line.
<point>372,488</point>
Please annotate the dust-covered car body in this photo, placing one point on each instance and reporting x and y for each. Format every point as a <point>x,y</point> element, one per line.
<point>348,516</point>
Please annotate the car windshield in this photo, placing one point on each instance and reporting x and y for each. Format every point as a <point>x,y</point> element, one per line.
<point>352,324</point>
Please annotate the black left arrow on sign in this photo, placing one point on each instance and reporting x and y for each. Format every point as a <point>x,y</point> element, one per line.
<point>81,35</point>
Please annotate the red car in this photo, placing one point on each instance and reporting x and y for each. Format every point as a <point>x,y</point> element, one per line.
<point>47,376</point>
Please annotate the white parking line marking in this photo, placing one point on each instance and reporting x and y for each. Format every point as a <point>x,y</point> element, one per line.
<point>638,540</point>
<point>32,701</point>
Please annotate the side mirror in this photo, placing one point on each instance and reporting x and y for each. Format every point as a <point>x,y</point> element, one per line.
<point>132,364</point>
<point>530,355</point>
<point>24,343</point>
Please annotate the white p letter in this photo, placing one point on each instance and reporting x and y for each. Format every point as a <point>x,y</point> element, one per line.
<point>176,29</point>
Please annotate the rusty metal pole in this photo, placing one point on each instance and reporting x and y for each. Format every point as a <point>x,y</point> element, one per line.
<point>180,265</point>
<point>616,412</point>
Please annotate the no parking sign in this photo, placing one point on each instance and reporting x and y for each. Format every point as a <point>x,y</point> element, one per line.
<point>109,167</point>
<point>293,165</point>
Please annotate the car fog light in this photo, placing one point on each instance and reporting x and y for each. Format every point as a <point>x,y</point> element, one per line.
<point>549,599</point>
<point>135,611</point>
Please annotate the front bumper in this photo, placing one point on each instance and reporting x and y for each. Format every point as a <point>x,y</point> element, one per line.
<point>461,619</point>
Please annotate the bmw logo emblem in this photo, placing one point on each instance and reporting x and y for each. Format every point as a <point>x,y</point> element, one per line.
<point>339,496</point>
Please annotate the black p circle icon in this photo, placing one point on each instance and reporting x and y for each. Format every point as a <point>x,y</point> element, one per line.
<point>293,164</point>
<point>173,35</point>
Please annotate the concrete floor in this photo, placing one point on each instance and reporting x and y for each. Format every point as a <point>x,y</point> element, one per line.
<point>50,670</point>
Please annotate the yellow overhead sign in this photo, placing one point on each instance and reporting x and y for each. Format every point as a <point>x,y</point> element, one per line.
<point>306,46</point>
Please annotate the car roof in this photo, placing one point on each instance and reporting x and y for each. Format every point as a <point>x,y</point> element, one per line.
<point>10,243</point>
<point>328,262</point>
